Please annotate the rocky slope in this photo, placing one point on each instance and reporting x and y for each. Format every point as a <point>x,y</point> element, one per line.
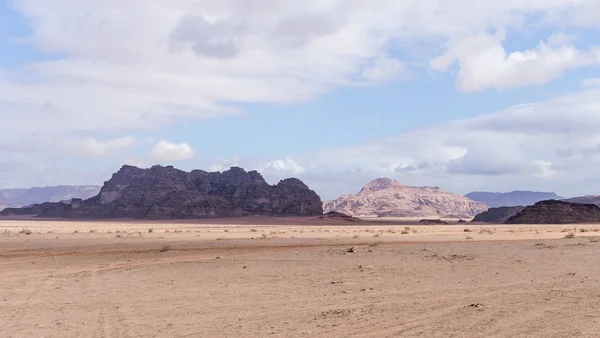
<point>498,215</point>
<point>169,193</point>
<point>385,197</point>
<point>22,197</point>
<point>511,199</point>
<point>557,212</point>
<point>584,200</point>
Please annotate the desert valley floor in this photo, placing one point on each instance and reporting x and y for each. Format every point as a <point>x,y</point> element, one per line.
<point>186,279</point>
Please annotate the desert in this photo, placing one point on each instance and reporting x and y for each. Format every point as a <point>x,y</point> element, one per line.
<point>254,277</point>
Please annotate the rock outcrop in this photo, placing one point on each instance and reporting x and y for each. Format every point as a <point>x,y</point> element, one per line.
<point>23,197</point>
<point>385,197</point>
<point>498,215</point>
<point>557,212</point>
<point>169,193</point>
<point>338,216</point>
<point>511,199</point>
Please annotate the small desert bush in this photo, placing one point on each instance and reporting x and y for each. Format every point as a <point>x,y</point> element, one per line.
<point>570,235</point>
<point>25,231</point>
<point>468,237</point>
<point>405,232</point>
<point>165,248</point>
<point>150,230</point>
<point>467,230</point>
<point>253,230</point>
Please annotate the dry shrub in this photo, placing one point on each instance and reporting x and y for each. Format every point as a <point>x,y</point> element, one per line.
<point>405,232</point>
<point>165,248</point>
<point>569,235</point>
<point>26,231</point>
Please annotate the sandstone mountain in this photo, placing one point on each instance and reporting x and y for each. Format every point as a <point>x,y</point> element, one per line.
<point>168,193</point>
<point>511,199</point>
<point>498,215</point>
<point>22,197</point>
<point>557,212</point>
<point>385,197</point>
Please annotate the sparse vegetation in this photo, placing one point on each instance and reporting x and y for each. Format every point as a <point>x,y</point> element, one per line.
<point>26,231</point>
<point>569,235</point>
<point>165,248</point>
<point>405,232</point>
<point>468,237</point>
<point>253,230</point>
<point>467,230</point>
<point>150,230</point>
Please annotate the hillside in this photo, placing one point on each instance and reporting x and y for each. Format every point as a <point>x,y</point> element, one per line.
<point>385,197</point>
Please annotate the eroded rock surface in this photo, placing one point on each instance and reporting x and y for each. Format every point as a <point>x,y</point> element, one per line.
<point>168,193</point>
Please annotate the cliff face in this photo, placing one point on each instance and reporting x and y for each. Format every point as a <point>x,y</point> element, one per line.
<point>498,215</point>
<point>511,199</point>
<point>385,197</point>
<point>169,193</point>
<point>557,212</point>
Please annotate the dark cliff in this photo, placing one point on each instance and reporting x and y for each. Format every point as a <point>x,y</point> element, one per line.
<point>168,193</point>
<point>557,212</point>
<point>497,215</point>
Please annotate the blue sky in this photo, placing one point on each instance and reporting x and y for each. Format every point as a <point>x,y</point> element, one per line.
<point>335,93</point>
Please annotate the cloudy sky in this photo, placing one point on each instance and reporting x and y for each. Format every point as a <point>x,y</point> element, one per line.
<point>493,95</point>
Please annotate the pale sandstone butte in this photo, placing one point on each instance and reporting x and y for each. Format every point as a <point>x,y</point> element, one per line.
<point>386,197</point>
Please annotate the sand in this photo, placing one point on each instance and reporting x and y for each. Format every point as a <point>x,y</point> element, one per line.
<point>170,279</point>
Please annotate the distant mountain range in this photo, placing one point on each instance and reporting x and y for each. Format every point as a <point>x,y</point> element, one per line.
<point>511,199</point>
<point>24,197</point>
<point>386,197</point>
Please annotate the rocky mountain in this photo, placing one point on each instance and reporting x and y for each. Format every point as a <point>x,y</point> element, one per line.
<point>168,193</point>
<point>385,197</point>
<point>498,215</point>
<point>22,197</point>
<point>557,212</point>
<point>511,199</point>
<point>590,199</point>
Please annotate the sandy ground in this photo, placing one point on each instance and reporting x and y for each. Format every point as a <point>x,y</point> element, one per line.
<point>168,279</point>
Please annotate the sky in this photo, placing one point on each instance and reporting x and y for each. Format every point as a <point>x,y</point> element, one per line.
<point>467,95</point>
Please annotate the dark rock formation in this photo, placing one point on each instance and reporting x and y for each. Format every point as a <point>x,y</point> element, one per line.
<point>338,216</point>
<point>169,193</point>
<point>432,222</point>
<point>557,212</point>
<point>498,215</point>
<point>511,199</point>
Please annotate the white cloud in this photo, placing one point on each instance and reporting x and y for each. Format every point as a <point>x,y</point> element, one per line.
<point>223,164</point>
<point>484,62</point>
<point>285,166</point>
<point>165,151</point>
<point>94,147</point>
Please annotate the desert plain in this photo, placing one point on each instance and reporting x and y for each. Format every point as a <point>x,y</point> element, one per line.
<point>258,278</point>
